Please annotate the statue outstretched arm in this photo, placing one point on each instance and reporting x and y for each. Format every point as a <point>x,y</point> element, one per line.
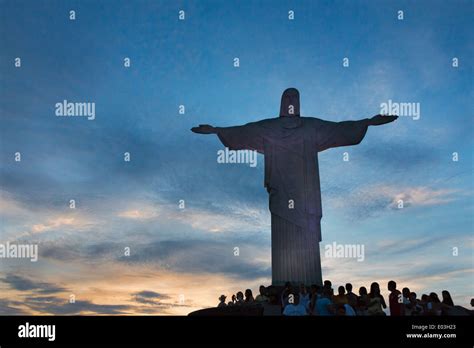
<point>329,134</point>
<point>245,137</point>
<point>204,129</point>
<point>379,120</point>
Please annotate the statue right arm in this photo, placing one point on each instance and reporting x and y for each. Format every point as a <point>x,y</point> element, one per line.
<point>245,137</point>
<point>204,129</point>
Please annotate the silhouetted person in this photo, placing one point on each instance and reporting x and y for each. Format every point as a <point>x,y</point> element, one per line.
<point>315,294</point>
<point>324,304</point>
<point>284,295</point>
<point>376,300</point>
<point>290,144</point>
<point>261,297</point>
<point>406,301</point>
<point>327,284</point>
<point>240,299</point>
<point>434,305</point>
<point>340,309</point>
<point>304,296</point>
<point>342,303</point>
<point>294,307</point>
<point>424,303</point>
<point>416,308</point>
<point>233,300</point>
<point>351,297</point>
<point>362,301</point>
<point>406,293</point>
<point>249,296</point>
<point>349,310</point>
<point>395,300</point>
<point>222,301</point>
<point>340,298</point>
<point>447,300</point>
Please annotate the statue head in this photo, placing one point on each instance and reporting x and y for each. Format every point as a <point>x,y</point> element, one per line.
<point>290,103</point>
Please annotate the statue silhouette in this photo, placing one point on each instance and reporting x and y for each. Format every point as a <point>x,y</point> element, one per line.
<point>290,145</point>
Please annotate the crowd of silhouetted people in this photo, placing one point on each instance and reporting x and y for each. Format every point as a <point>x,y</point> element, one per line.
<point>322,300</point>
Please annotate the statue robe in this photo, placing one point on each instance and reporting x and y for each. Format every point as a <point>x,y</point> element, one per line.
<point>290,146</point>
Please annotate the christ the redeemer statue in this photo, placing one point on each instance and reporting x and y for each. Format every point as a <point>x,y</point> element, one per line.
<point>290,144</point>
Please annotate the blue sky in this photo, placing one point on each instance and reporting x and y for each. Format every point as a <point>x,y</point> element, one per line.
<point>176,253</point>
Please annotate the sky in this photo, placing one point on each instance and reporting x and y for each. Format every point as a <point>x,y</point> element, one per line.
<point>181,260</point>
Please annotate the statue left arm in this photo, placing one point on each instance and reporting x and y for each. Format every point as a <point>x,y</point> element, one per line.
<point>334,134</point>
<point>379,120</point>
<point>245,137</point>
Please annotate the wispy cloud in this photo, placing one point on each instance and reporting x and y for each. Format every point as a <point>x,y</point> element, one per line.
<point>150,295</point>
<point>138,214</point>
<point>418,196</point>
<point>23,284</point>
<point>9,307</point>
<point>55,223</point>
<point>61,306</point>
<point>367,201</point>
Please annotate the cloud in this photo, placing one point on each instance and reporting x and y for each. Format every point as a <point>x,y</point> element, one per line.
<point>107,295</point>
<point>9,307</point>
<point>369,201</point>
<point>211,254</point>
<point>417,244</point>
<point>238,217</point>
<point>25,284</point>
<point>150,297</point>
<point>138,214</point>
<point>9,206</point>
<point>208,219</point>
<point>55,224</point>
<point>420,196</point>
<point>204,256</point>
<point>62,306</point>
<point>37,219</point>
<point>158,301</point>
<point>151,294</point>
